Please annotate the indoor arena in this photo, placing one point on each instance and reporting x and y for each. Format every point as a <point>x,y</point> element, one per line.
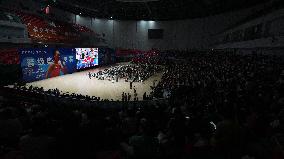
<point>141,79</point>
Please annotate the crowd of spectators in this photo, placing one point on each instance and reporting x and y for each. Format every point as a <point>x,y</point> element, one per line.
<point>149,57</point>
<point>53,93</point>
<point>9,56</point>
<point>223,106</point>
<point>130,72</point>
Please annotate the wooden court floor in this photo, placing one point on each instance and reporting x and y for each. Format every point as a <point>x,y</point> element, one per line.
<point>80,83</point>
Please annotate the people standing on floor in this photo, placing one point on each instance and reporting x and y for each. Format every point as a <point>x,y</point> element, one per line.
<point>129,96</point>
<point>144,96</point>
<point>90,75</point>
<point>154,83</point>
<point>135,96</point>
<point>112,79</point>
<point>126,97</point>
<point>122,96</point>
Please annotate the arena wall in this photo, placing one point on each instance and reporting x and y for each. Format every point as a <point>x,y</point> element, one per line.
<point>199,33</point>
<point>196,33</point>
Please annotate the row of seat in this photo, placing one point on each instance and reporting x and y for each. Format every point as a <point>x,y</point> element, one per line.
<point>43,30</point>
<point>83,29</point>
<point>9,56</point>
<point>144,57</point>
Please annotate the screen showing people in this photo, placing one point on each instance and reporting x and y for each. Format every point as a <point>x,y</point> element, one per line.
<point>87,57</point>
<point>43,63</point>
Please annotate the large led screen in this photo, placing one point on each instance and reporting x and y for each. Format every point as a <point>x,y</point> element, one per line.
<point>43,63</point>
<point>87,57</point>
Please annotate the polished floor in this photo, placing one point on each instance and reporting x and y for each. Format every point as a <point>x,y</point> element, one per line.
<point>80,83</point>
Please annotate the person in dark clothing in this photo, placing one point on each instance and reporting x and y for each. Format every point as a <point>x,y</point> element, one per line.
<point>125,97</point>
<point>122,96</point>
<point>90,75</point>
<point>144,96</point>
<point>129,97</point>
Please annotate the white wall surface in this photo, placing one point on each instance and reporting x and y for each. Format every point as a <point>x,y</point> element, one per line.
<point>179,34</point>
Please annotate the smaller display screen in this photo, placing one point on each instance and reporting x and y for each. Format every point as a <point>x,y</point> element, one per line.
<point>87,57</point>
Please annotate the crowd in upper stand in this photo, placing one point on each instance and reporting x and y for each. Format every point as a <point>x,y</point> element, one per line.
<point>133,73</point>
<point>9,56</point>
<point>224,106</point>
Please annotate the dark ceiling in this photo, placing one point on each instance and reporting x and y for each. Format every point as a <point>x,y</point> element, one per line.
<point>156,10</point>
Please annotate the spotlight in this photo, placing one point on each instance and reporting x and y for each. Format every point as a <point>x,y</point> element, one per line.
<point>80,13</point>
<point>111,17</point>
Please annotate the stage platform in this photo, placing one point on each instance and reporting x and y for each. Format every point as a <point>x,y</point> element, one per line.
<point>80,83</point>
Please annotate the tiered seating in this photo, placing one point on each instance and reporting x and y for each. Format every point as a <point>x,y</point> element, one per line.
<point>150,56</point>
<point>82,29</point>
<point>52,31</point>
<point>5,16</point>
<point>127,52</point>
<point>38,28</point>
<point>12,31</point>
<point>9,56</point>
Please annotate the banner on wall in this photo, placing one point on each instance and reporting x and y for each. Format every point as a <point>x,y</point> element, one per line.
<point>43,63</point>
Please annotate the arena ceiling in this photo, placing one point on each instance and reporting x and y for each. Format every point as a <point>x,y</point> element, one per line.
<point>153,9</point>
